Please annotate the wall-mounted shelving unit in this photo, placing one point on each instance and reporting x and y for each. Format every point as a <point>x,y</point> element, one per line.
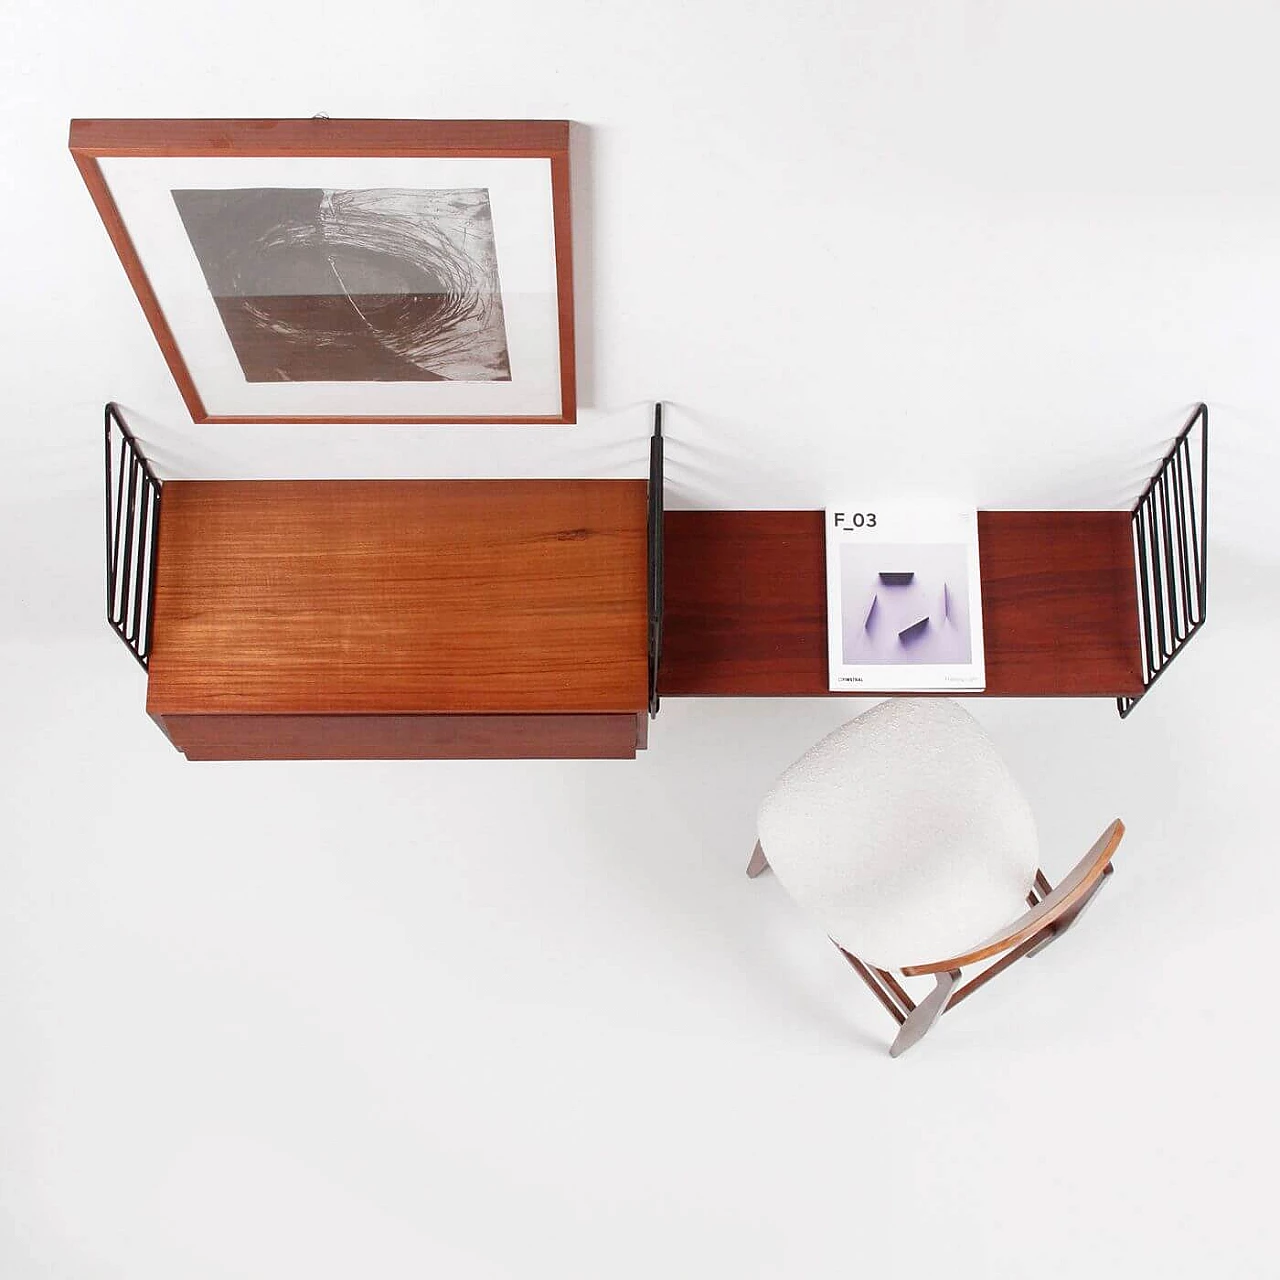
<point>425,619</point>
<point>1079,604</point>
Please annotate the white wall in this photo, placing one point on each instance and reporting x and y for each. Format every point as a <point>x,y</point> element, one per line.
<point>523,1019</point>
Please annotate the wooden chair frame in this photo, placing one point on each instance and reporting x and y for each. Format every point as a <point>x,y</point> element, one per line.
<point>1051,912</point>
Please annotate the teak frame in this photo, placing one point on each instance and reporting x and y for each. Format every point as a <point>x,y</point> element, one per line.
<point>93,140</point>
<point>1052,911</point>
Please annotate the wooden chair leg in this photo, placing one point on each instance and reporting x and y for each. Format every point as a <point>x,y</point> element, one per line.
<point>883,986</point>
<point>758,861</point>
<point>925,1014</point>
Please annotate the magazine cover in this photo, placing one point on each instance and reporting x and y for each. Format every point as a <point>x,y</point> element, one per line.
<point>904,599</point>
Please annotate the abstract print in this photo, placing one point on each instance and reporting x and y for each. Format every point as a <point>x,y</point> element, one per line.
<point>384,285</point>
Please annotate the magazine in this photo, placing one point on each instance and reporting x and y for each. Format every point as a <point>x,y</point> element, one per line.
<point>904,599</point>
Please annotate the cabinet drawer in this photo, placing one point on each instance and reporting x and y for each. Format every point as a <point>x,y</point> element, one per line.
<point>405,737</point>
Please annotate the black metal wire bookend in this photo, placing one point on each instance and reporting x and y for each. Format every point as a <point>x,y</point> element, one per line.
<point>1170,538</point>
<point>655,557</point>
<point>133,527</point>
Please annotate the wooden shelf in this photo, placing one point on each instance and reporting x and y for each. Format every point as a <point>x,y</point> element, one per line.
<point>746,612</point>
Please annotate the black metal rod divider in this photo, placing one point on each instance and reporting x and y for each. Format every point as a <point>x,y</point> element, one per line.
<point>656,551</point>
<point>133,532</point>
<point>1171,542</point>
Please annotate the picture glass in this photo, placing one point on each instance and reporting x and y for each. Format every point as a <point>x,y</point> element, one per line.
<point>329,286</point>
<point>376,286</point>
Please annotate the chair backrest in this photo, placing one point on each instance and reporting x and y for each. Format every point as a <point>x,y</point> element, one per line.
<point>904,833</point>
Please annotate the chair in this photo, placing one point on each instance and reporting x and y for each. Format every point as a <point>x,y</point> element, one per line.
<point>906,835</point>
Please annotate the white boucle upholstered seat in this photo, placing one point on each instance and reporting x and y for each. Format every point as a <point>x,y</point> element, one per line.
<point>904,833</point>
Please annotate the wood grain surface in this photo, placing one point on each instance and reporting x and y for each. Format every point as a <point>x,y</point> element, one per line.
<point>308,136</point>
<point>746,610</point>
<point>1059,905</point>
<point>404,597</point>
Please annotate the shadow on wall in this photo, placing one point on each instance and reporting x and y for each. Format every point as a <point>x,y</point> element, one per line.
<point>582,179</point>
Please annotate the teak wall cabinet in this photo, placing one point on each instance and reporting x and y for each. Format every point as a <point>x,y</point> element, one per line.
<point>401,619</point>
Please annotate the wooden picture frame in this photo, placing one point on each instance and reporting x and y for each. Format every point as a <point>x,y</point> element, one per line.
<point>468,275</point>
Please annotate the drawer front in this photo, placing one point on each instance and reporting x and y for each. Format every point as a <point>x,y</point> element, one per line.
<point>413,737</point>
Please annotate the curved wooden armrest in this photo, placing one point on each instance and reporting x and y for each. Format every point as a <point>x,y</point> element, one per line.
<point>1070,893</point>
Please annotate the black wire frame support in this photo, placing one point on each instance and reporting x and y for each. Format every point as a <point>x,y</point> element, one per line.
<point>1171,545</point>
<point>656,552</point>
<point>133,530</point>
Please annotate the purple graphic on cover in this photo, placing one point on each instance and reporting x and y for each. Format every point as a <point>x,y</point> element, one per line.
<point>905,604</point>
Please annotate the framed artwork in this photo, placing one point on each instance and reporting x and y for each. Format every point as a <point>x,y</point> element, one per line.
<point>347,270</point>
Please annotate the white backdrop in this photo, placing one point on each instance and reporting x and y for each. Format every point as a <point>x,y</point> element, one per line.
<point>526,1019</point>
